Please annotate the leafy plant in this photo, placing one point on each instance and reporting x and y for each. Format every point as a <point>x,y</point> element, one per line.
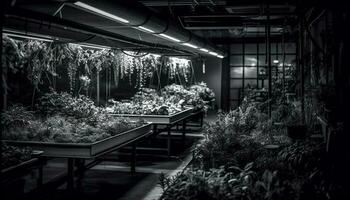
<point>11,155</point>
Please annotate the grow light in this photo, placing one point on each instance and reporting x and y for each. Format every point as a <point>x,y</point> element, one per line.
<point>204,50</point>
<point>99,47</point>
<point>29,37</point>
<point>190,45</point>
<point>101,12</point>
<point>146,29</point>
<point>213,53</point>
<point>169,37</point>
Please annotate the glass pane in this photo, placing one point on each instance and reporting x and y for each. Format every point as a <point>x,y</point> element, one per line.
<point>234,93</point>
<point>250,61</point>
<point>236,83</point>
<point>290,48</point>
<point>236,49</point>
<point>262,60</point>
<point>236,60</point>
<point>262,48</point>
<point>273,48</point>
<point>250,83</point>
<point>236,72</point>
<point>250,48</point>
<point>250,72</point>
<point>262,72</point>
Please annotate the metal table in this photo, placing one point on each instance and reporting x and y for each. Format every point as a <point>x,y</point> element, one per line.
<point>76,153</point>
<point>163,123</point>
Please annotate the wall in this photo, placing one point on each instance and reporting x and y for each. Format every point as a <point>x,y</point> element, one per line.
<point>212,76</point>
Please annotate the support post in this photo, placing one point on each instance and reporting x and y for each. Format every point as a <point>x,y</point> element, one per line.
<point>70,174</point>
<point>269,59</point>
<point>169,139</point>
<point>133,158</point>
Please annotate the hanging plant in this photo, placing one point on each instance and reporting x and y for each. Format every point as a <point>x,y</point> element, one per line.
<point>12,56</point>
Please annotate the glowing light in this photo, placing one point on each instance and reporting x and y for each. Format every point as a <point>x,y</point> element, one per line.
<point>204,50</point>
<point>146,29</point>
<point>275,61</point>
<point>190,45</point>
<point>29,37</point>
<point>169,37</point>
<point>213,53</point>
<point>101,12</point>
<point>93,46</point>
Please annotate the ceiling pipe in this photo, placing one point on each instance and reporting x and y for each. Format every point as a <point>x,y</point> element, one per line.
<point>139,17</point>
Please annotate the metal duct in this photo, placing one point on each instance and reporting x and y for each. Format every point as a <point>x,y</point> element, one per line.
<point>137,15</point>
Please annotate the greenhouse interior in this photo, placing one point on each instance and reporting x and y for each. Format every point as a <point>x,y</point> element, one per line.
<point>175,99</point>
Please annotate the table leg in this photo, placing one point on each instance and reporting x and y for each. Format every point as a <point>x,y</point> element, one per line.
<point>169,139</point>
<point>80,171</point>
<point>133,158</point>
<point>40,176</point>
<point>183,129</point>
<point>70,174</point>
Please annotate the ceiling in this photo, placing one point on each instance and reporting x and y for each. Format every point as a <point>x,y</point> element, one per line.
<point>219,20</point>
<point>208,21</point>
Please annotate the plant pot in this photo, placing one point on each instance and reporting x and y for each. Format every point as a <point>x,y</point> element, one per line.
<point>296,132</point>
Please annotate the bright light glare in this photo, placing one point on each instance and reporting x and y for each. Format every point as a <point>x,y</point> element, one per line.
<point>99,47</point>
<point>220,56</point>
<point>101,12</point>
<point>28,37</point>
<point>169,37</point>
<point>146,29</point>
<point>190,45</point>
<point>213,53</point>
<point>275,61</point>
<point>204,50</point>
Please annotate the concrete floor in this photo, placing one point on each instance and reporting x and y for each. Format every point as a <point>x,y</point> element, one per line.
<point>113,180</point>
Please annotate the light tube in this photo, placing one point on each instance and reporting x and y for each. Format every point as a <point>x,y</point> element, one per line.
<point>213,53</point>
<point>220,56</point>
<point>146,29</point>
<point>99,47</point>
<point>169,37</point>
<point>29,37</point>
<point>190,45</point>
<point>275,61</point>
<point>204,50</point>
<point>101,12</point>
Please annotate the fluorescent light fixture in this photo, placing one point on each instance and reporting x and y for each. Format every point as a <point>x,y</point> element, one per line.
<point>190,45</point>
<point>220,56</point>
<point>275,61</point>
<point>213,53</point>
<point>101,12</point>
<point>29,37</point>
<point>99,47</point>
<point>146,29</point>
<point>204,50</point>
<point>169,37</point>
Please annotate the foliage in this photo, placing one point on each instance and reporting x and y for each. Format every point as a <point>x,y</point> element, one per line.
<point>65,104</point>
<point>64,121</point>
<point>16,115</point>
<point>11,155</point>
<point>147,102</point>
<point>231,183</point>
<point>303,155</point>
